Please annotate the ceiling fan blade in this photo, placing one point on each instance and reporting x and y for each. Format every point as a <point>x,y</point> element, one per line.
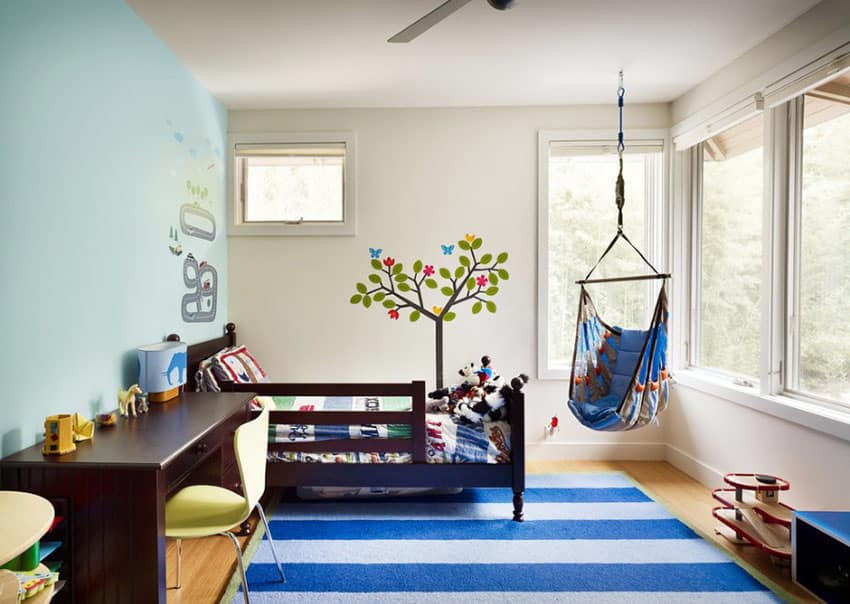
<point>428,21</point>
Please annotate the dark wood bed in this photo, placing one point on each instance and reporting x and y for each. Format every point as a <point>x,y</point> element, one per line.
<point>419,473</point>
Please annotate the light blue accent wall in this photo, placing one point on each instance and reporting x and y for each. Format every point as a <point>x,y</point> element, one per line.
<point>92,177</point>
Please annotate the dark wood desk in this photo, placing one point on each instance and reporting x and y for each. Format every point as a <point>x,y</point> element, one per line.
<point>116,486</point>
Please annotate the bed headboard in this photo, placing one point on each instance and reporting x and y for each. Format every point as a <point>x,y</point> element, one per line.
<point>202,350</point>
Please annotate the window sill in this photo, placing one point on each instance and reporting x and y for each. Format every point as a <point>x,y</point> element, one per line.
<point>808,414</point>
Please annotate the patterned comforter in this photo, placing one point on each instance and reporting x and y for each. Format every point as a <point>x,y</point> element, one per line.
<point>447,439</point>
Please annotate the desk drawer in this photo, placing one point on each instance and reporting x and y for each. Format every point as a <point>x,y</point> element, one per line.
<point>203,451</point>
<point>210,458</point>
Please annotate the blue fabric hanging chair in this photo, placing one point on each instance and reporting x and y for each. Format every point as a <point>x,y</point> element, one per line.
<point>619,377</point>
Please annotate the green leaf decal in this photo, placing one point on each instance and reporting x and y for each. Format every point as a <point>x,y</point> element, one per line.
<point>417,266</point>
<point>463,244</point>
<point>445,274</point>
<point>389,304</point>
<point>361,287</point>
<point>476,308</point>
<point>470,283</point>
<point>401,278</point>
<point>491,291</point>
<point>375,278</point>
<point>397,268</point>
<point>459,271</point>
<point>491,306</point>
<point>486,258</point>
<point>376,264</point>
<point>447,291</point>
<point>504,274</point>
<point>449,316</point>
<point>367,301</point>
<point>477,243</point>
<point>464,260</point>
<point>355,299</point>
<point>403,287</point>
<point>414,316</point>
<point>492,278</point>
<point>503,257</point>
<point>379,296</point>
<point>431,283</point>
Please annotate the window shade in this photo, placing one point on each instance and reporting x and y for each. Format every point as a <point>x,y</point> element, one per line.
<point>290,150</point>
<point>602,147</point>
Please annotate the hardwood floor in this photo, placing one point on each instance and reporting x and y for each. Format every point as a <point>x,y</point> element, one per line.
<point>209,563</point>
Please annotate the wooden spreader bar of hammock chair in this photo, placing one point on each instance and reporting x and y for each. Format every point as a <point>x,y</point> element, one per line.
<point>618,279</point>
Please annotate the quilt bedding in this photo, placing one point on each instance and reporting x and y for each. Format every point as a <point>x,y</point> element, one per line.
<point>447,440</point>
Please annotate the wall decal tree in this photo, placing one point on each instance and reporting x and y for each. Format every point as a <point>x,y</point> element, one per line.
<point>475,279</point>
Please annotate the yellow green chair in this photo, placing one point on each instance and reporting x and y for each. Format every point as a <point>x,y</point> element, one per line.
<point>203,510</point>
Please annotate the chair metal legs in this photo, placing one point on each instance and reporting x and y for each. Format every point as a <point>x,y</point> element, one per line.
<point>238,549</point>
<point>271,542</point>
<point>179,561</point>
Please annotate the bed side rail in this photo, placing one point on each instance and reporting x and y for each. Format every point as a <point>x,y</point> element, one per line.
<point>415,417</point>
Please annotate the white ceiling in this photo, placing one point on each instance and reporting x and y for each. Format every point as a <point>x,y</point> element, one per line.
<point>333,53</point>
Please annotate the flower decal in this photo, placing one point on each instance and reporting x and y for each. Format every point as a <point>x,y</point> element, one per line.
<point>470,237</point>
<point>437,310</point>
<point>393,313</point>
<point>388,261</point>
<point>481,281</point>
<point>429,270</point>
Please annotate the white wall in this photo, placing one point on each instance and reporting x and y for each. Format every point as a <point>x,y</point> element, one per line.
<point>709,436</point>
<point>821,26</point>
<point>425,177</point>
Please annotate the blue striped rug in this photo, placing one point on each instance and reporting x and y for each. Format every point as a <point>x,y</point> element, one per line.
<point>586,538</point>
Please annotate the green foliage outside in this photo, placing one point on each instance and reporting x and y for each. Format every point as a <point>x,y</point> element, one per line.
<point>582,221</point>
<point>732,264</point>
<point>825,251</point>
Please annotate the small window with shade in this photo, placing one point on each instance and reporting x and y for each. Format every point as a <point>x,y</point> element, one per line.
<point>293,185</point>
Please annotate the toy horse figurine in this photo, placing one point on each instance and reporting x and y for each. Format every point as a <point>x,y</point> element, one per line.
<point>127,400</point>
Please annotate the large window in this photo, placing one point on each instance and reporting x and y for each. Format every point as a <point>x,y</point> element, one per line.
<point>770,244</point>
<point>293,185</point>
<point>820,342</point>
<point>730,270</point>
<point>578,219</point>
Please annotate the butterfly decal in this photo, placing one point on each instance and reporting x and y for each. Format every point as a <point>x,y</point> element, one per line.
<point>375,253</point>
<point>448,249</point>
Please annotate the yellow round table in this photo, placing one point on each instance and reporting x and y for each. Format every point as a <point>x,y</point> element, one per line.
<point>24,518</point>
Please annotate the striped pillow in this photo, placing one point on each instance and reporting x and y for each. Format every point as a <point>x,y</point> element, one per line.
<point>238,365</point>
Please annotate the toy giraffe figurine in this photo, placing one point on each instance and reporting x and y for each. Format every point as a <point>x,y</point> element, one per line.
<point>127,400</point>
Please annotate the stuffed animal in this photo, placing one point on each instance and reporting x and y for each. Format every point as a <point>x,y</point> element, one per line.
<point>491,402</point>
<point>448,398</point>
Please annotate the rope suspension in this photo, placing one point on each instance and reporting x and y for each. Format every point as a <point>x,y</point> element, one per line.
<point>620,196</point>
<point>620,191</point>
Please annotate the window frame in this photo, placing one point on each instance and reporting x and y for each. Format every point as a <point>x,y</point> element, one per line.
<point>693,345</point>
<point>237,226</point>
<point>774,393</point>
<point>657,227</point>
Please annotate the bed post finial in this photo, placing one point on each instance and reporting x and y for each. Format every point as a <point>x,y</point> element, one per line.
<point>230,328</point>
<point>172,337</point>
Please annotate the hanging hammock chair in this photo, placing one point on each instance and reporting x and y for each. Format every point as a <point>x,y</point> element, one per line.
<point>619,378</point>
